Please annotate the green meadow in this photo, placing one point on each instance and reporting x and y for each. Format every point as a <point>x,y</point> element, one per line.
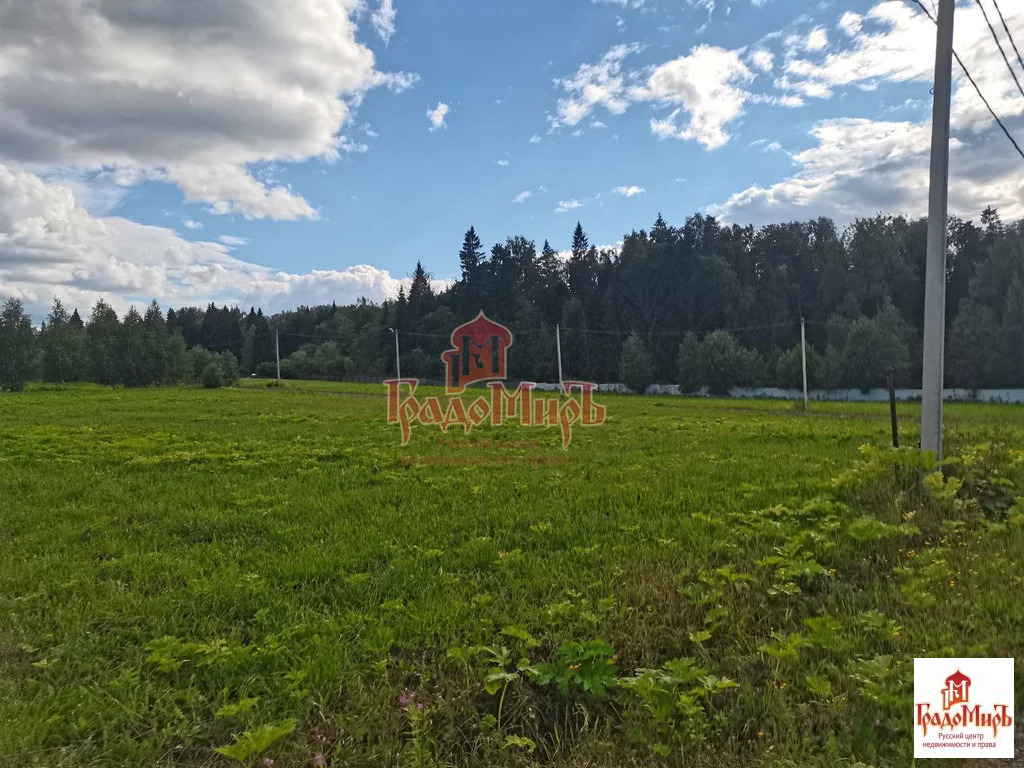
<point>238,576</point>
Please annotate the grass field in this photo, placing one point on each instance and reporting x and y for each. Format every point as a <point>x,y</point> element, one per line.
<point>257,568</point>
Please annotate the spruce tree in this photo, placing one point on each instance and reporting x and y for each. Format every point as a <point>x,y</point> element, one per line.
<point>17,346</point>
<point>471,255</point>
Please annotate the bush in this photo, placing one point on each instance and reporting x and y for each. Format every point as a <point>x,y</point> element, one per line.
<point>267,370</point>
<point>688,364</point>
<point>212,376</point>
<point>229,368</point>
<point>636,370</point>
<point>724,364</point>
<point>789,369</point>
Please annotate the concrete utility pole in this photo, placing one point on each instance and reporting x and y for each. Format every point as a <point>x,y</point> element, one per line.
<point>398,359</point>
<point>558,344</point>
<point>277,351</point>
<point>935,274</point>
<point>803,356</point>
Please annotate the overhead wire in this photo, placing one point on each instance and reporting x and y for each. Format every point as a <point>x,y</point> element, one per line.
<point>988,106</point>
<point>999,45</point>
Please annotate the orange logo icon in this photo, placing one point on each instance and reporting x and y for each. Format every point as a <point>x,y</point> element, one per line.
<point>957,689</point>
<point>479,353</point>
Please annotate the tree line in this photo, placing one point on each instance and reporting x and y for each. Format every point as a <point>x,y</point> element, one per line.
<point>702,305</point>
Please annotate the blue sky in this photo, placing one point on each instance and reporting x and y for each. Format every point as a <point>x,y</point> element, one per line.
<point>294,158</point>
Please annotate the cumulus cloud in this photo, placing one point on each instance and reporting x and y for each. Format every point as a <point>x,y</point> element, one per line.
<point>859,166</point>
<point>503,163</point>
<point>523,196</point>
<point>763,60</point>
<point>629,191</point>
<point>850,23</point>
<point>232,240</point>
<point>602,84</point>
<point>816,40</point>
<point>189,93</point>
<point>383,20</point>
<point>901,49</point>
<point>707,86</point>
<point>52,246</point>
<point>437,116</point>
<point>535,139</point>
<point>192,224</point>
<point>568,205</point>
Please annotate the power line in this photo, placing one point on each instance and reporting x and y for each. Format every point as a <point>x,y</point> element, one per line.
<point>976,88</point>
<point>1001,19</point>
<point>999,45</point>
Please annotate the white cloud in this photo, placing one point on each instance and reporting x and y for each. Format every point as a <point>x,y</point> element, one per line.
<point>861,167</point>
<point>503,163</point>
<point>568,205</point>
<point>633,4</point>
<point>629,191</point>
<point>383,20</point>
<point>601,84</point>
<point>763,60</point>
<point>51,246</point>
<point>192,224</point>
<point>850,23</point>
<point>522,196</point>
<point>230,189</point>
<point>902,49</point>
<point>232,240</point>
<point>437,116</point>
<point>535,139</point>
<point>166,90</point>
<point>706,85</point>
<point>816,40</point>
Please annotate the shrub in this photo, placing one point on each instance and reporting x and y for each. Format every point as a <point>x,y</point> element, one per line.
<point>724,363</point>
<point>229,368</point>
<point>212,376</point>
<point>636,370</point>
<point>688,364</point>
<point>789,368</point>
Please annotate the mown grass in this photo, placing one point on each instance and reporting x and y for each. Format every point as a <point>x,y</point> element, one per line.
<point>184,565</point>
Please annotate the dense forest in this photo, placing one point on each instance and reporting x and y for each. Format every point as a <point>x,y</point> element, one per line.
<point>700,305</point>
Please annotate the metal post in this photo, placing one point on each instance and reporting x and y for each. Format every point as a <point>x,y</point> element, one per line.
<point>891,383</point>
<point>558,343</point>
<point>277,351</point>
<point>935,273</point>
<point>398,358</point>
<point>803,358</point>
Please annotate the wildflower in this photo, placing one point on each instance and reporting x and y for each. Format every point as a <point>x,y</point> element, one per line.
<point>760,734</point>
<point>268,761</point>
<point>318,736</point>
<point>319,760</point>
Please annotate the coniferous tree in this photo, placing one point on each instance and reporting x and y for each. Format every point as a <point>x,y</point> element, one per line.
<point>470,256</point>
<point>17,346</point>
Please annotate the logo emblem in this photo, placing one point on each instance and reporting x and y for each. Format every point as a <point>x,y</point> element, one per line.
<point>479,353</point>
<point>957,689</point>
<point>968,713</point>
